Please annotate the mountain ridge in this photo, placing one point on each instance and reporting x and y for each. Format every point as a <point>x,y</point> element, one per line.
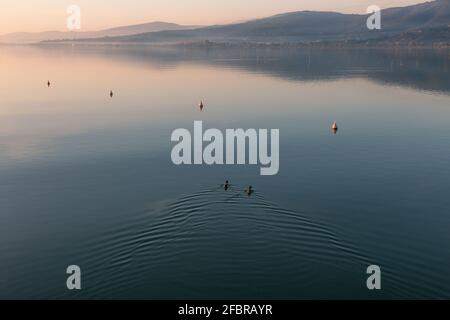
<point>31,37</point>
<point>306,26</point>
<point>291,27</point>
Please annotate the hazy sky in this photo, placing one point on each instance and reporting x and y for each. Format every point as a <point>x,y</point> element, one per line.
<point>41,15</point>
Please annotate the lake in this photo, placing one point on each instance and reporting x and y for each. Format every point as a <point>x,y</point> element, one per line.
<point>86,179</point>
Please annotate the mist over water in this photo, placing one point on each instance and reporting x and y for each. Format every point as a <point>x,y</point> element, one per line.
<point>87,179</point>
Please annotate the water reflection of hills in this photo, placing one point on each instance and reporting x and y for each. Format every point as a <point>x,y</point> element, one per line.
<point>424,69</point>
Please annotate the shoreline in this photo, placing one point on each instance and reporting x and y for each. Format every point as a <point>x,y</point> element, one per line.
<point>229,45</point>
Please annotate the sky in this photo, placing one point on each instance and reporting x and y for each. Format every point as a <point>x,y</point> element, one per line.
<point>43,15</point>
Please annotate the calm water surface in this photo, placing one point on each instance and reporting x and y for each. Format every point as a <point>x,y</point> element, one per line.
<point>88,180</point>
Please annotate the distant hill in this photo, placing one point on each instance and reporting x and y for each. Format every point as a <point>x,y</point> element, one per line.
<point>30,37</point>
<point>305,26</point>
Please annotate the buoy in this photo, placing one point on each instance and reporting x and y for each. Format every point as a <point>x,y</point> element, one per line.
<point>48,83</point>
<point>334,127</point>
<point>201,105</point>
<point>111,94</point>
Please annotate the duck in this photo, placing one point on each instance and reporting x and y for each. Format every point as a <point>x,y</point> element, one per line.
<point>226,185</point>
<point>249,190</point>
